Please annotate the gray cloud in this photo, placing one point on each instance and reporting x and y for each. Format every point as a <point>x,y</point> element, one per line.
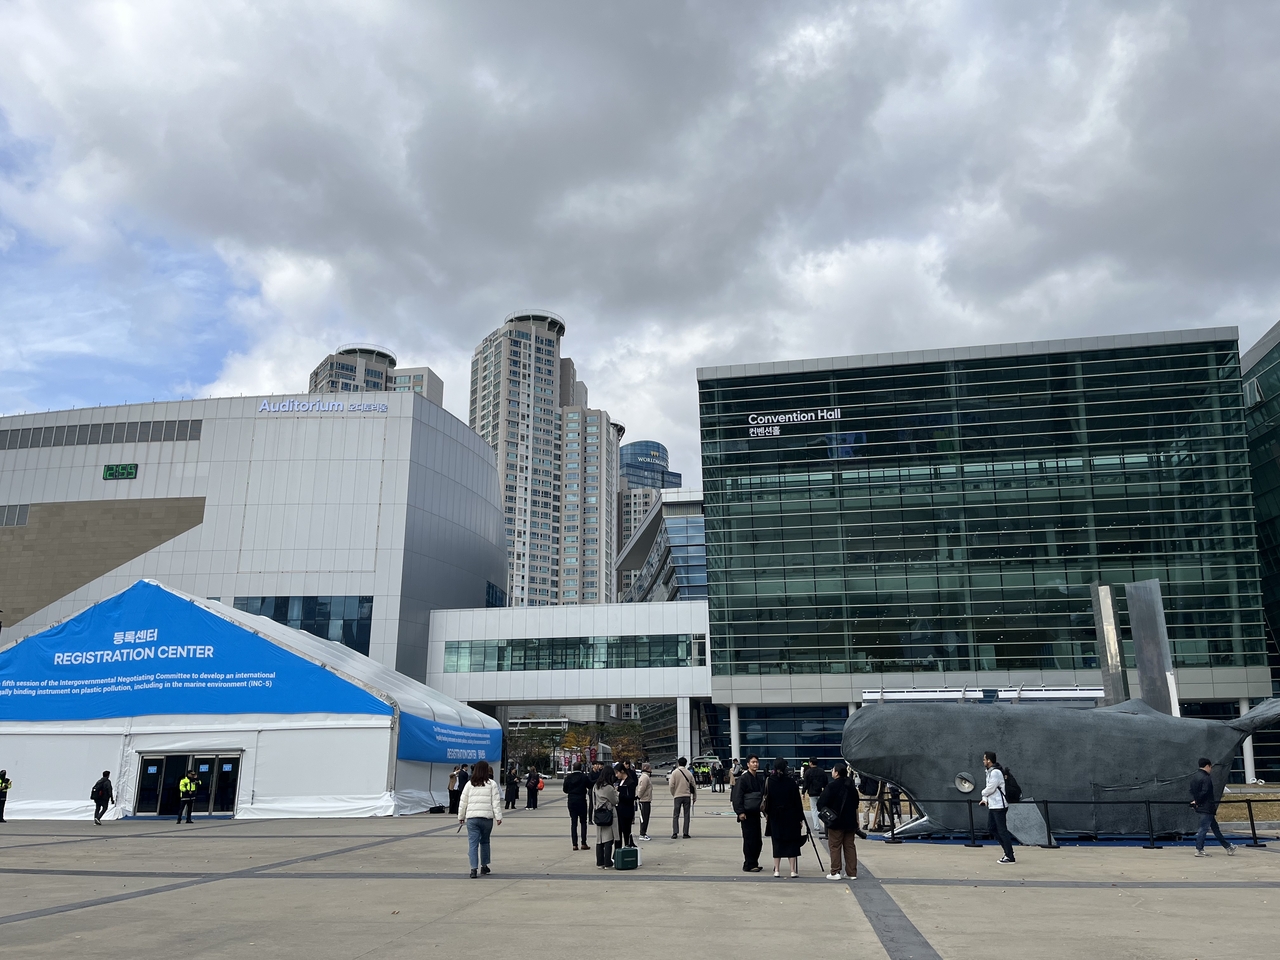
<point>687,184</point>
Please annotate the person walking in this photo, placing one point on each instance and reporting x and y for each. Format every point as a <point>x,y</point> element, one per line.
<point>187,788</point>
<point>576,787</point>
<point>841,797</point>
<point>480,808</point>
<point>626,804</point>
<point>102,794</point>
<point>605,795</point>
<point>997,806</point>
<point>531,784</point>
<point>685,791</point>
<point>5,786</point>
<point>747,797</point>
<point>785,816</point>
<point>815,780</point>
<point>1204,802</point>
<point>513,789</point>
<point>644,798</point>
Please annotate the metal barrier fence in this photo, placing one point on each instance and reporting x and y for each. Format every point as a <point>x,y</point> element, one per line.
<point>1043,806</point>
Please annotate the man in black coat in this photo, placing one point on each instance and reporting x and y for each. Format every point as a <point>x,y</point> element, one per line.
<point>841,797</point>
<point>102,794</point>
<point>748,792</point>
<point>576,787</point>
<point>1204,800</point>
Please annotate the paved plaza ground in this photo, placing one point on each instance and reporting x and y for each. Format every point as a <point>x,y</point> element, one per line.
<point>392,888</point>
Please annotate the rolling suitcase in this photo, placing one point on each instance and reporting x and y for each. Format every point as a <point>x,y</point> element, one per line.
<point>626,858</point>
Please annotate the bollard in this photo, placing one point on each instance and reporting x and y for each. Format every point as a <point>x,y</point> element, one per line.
<point>1151,830</point>
<point>973,837</point>
<point>1253,827</point>
<point>1048,830</point>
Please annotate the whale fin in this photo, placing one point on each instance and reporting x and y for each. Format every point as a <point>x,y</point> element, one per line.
<point>1264,715</point>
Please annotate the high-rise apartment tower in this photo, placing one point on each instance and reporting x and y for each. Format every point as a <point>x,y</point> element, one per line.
<point>558,458</point>
<point>368,368</point>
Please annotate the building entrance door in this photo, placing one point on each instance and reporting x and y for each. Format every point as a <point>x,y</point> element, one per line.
<point>158,779</point>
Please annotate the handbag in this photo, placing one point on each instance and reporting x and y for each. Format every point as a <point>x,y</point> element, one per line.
<point>829,816</point>
<point>603,816</point>
<point>541,784</point>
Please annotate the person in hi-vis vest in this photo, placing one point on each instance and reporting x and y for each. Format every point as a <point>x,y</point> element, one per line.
<point>187,788</point>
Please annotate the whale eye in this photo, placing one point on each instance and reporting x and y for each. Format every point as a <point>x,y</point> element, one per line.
<point>965,782</point>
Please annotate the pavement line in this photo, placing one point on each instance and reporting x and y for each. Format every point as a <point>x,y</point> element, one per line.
<point>900,938</point>
<point>1079,884</point>
<point>213,878</point>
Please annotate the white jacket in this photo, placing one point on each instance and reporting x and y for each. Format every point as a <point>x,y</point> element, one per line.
<point>994,790</point>
<point>483,801</point>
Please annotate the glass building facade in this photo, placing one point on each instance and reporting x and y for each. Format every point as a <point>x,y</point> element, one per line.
<point>676,565</point>
<point>643,463</point>
<point>948,512</point>
<point>345,620</point>
<point>575,653</point>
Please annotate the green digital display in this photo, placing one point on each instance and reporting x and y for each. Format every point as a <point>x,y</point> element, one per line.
<point>120,471</point>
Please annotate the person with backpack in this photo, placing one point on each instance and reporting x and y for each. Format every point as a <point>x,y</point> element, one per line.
<point>101,795</point>
<point>997,804</point>
<point>837,809</point>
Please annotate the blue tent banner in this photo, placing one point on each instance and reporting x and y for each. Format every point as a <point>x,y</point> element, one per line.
<point>149,652</point>
<point>431,742</point>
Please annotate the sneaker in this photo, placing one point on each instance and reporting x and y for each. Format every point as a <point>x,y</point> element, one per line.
<point>484,870</point>
<point>473,874</point>
<point>675,836</point>
<point>687,837</point>
<point>833,876</point>
<point>1231,850</point>
<point>1202,853</point>
<point>1006,860</point>
<point>643,837</point>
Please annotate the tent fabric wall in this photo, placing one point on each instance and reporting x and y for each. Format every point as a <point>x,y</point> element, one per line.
<point>299,758</point>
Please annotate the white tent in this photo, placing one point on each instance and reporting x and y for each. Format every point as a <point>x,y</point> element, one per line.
<point>276,722</point>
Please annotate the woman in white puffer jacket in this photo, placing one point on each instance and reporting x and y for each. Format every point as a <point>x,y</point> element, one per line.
<point>480,808</point>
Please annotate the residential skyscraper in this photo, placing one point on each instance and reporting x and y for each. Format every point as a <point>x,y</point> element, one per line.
<point>529,404</point>
<point>366,368</point>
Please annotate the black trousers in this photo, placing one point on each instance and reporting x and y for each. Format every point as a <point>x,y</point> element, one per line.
<point>99,809</point>
<point>604,854</point>
<point>186,809</point>
<point>578,815</point>
<point>625,822</point>
<point>646,807</point>
<point>752,841</point>
<point>4,798</point>
<point>455,797</point>
<point>998,827</point>
<point>531,802</point>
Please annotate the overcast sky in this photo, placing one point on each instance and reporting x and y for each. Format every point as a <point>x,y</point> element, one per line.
<point>205,198</point>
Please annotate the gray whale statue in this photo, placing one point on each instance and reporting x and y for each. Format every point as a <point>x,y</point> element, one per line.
<point>1126,752</point>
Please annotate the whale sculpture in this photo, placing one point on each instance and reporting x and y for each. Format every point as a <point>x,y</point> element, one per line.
<point>1127,752</point>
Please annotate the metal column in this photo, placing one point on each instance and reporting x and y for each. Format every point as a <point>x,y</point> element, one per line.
<point>684,729</point>
<point>735,733</point>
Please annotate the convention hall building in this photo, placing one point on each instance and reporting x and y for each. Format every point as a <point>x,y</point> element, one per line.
<point>933,520</point>
<point>348,518</point>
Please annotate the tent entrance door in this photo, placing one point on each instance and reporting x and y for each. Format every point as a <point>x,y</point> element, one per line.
<point>158,779</point>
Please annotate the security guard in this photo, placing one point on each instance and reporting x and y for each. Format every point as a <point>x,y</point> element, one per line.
<point>5,786</point>
<point>187,788</point>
